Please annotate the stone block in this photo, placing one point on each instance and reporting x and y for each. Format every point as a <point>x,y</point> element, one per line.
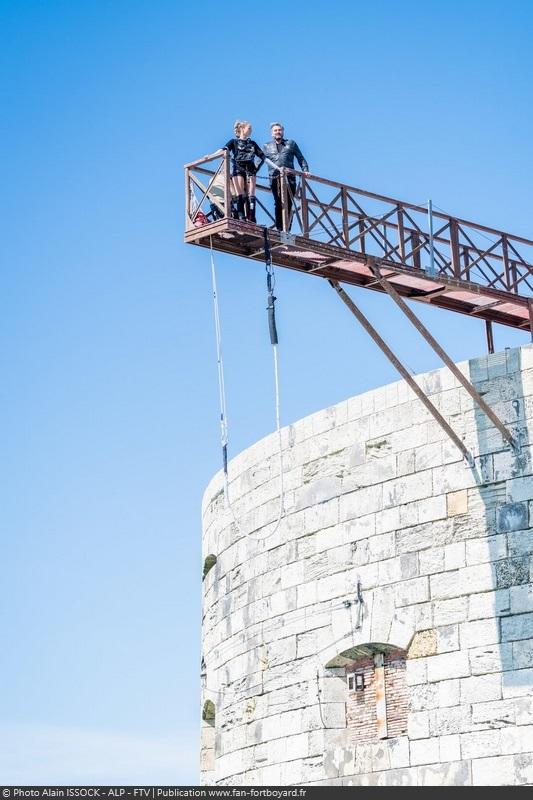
<point>306,594</point>
<point>493,771</point>
<point>457,503</point>
<point>511,572</point>
<point>281,651</point>
<point>408,515</point>
<point>457,773</point>
<point>399,752</point>
<point>387,520</point>
<point>409,566</point>
<point>292,574</point>
<point>524,769</point>
<point>296,747</point>
<point>322,516</point>
<point>462,581</point>
<point>517,683</point>
<point>454,555</point>
<point>283,601</point>
<point>446,612</point>
<point>492,548</point>
<point>517,627</point>
<point>431,560</point>
<point>424,643</point>
<point>521,598</point>
<point>416,671</point>
<point>448,665</point>
<point>452,478</point>
<point>523,654</point>
<point>493,714</point>
<point>418,725</point>
<point>432,508</point>
<point>423,616</point>
<point>520,543</point>
<point>512,516</point>
<point>424,751</point>
<point>405,462</point>
<point>524,710</point>
<point>450,747</point>
<point>445,721</point>
<point>381,546</point>
<point>422,697</point>
<point>361,502</point>
<point>447,638</point>
<point>402,628</point>
<point>420,537</point>
<point>412,591</point>
<point>410,438</point>
<point>519,490</point>
<point>407,489</point>
<point>480,744</point>
<point>479,632</point>
<point>491,658</point>
<point>428,455</point>
<point>488,604</point>
<point>517,740</point>
<point>481,688</point>
<point>448,693</point>
<point>380,756</point>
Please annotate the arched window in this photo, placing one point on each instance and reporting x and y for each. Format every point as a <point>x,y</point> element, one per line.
<point>376,691</point>
<point>209,563</point>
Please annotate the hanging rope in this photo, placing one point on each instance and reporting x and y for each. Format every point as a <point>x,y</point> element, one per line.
<point>271,313</point>
<point>224,435</point>
<point>220,367</point>
<point>221,389</point>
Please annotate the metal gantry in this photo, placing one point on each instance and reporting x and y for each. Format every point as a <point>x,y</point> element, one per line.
<point>349,235</point>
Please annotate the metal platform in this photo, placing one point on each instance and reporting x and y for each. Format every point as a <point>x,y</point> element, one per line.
<point>433,267</point>
<point>462,267</point>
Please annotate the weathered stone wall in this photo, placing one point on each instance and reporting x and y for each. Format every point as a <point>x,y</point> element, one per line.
<point>378,504</point>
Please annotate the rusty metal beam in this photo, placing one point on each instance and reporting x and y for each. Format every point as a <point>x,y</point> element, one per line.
<point>358,314</point>
<point>421,328</point>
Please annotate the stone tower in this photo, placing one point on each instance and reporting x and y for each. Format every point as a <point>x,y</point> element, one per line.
<point>382,633</point>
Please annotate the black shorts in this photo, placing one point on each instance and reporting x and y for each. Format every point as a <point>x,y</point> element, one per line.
<point>244,169</point>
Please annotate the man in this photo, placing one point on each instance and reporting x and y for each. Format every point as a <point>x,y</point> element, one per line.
<point>282,152</point>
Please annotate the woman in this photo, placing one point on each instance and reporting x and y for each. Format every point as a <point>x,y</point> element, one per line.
<point>244,152</point>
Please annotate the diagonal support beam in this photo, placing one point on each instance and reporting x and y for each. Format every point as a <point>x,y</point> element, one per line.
<point>347,300</point>
<point>421,328</point>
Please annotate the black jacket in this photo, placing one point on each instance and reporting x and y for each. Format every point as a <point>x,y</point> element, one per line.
<point>285,156</point>
<point>245,151</point>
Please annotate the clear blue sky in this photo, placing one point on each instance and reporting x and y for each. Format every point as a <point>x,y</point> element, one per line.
<point>109,395</point>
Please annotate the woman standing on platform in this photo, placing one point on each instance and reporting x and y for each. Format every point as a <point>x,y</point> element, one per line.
<point>244,152</point>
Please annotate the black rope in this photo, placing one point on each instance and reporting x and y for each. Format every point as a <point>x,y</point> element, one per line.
<point>271,299</point>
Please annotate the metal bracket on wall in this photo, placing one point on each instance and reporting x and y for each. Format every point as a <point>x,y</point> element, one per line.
<point>421,328</point>
<point>358,314</point>
<point>374,266</point>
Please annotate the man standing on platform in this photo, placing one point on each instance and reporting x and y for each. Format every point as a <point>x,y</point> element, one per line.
<point>283,152</point>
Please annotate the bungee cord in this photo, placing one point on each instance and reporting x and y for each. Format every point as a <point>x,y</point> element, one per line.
<point>224,428</point>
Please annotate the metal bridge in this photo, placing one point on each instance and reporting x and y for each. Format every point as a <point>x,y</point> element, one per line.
<point>349,235</point>
<point>338,231</point>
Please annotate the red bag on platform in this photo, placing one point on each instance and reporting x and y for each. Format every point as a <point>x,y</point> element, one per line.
<point>200,219</point>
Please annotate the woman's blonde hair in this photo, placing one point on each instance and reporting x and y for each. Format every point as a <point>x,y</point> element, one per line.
<point>241,124</point>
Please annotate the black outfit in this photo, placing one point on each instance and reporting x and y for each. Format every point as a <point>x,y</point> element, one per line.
<point>244,152</point>
<point>283,154</point>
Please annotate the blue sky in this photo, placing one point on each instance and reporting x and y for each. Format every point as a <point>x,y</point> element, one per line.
<point>109,388</point>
